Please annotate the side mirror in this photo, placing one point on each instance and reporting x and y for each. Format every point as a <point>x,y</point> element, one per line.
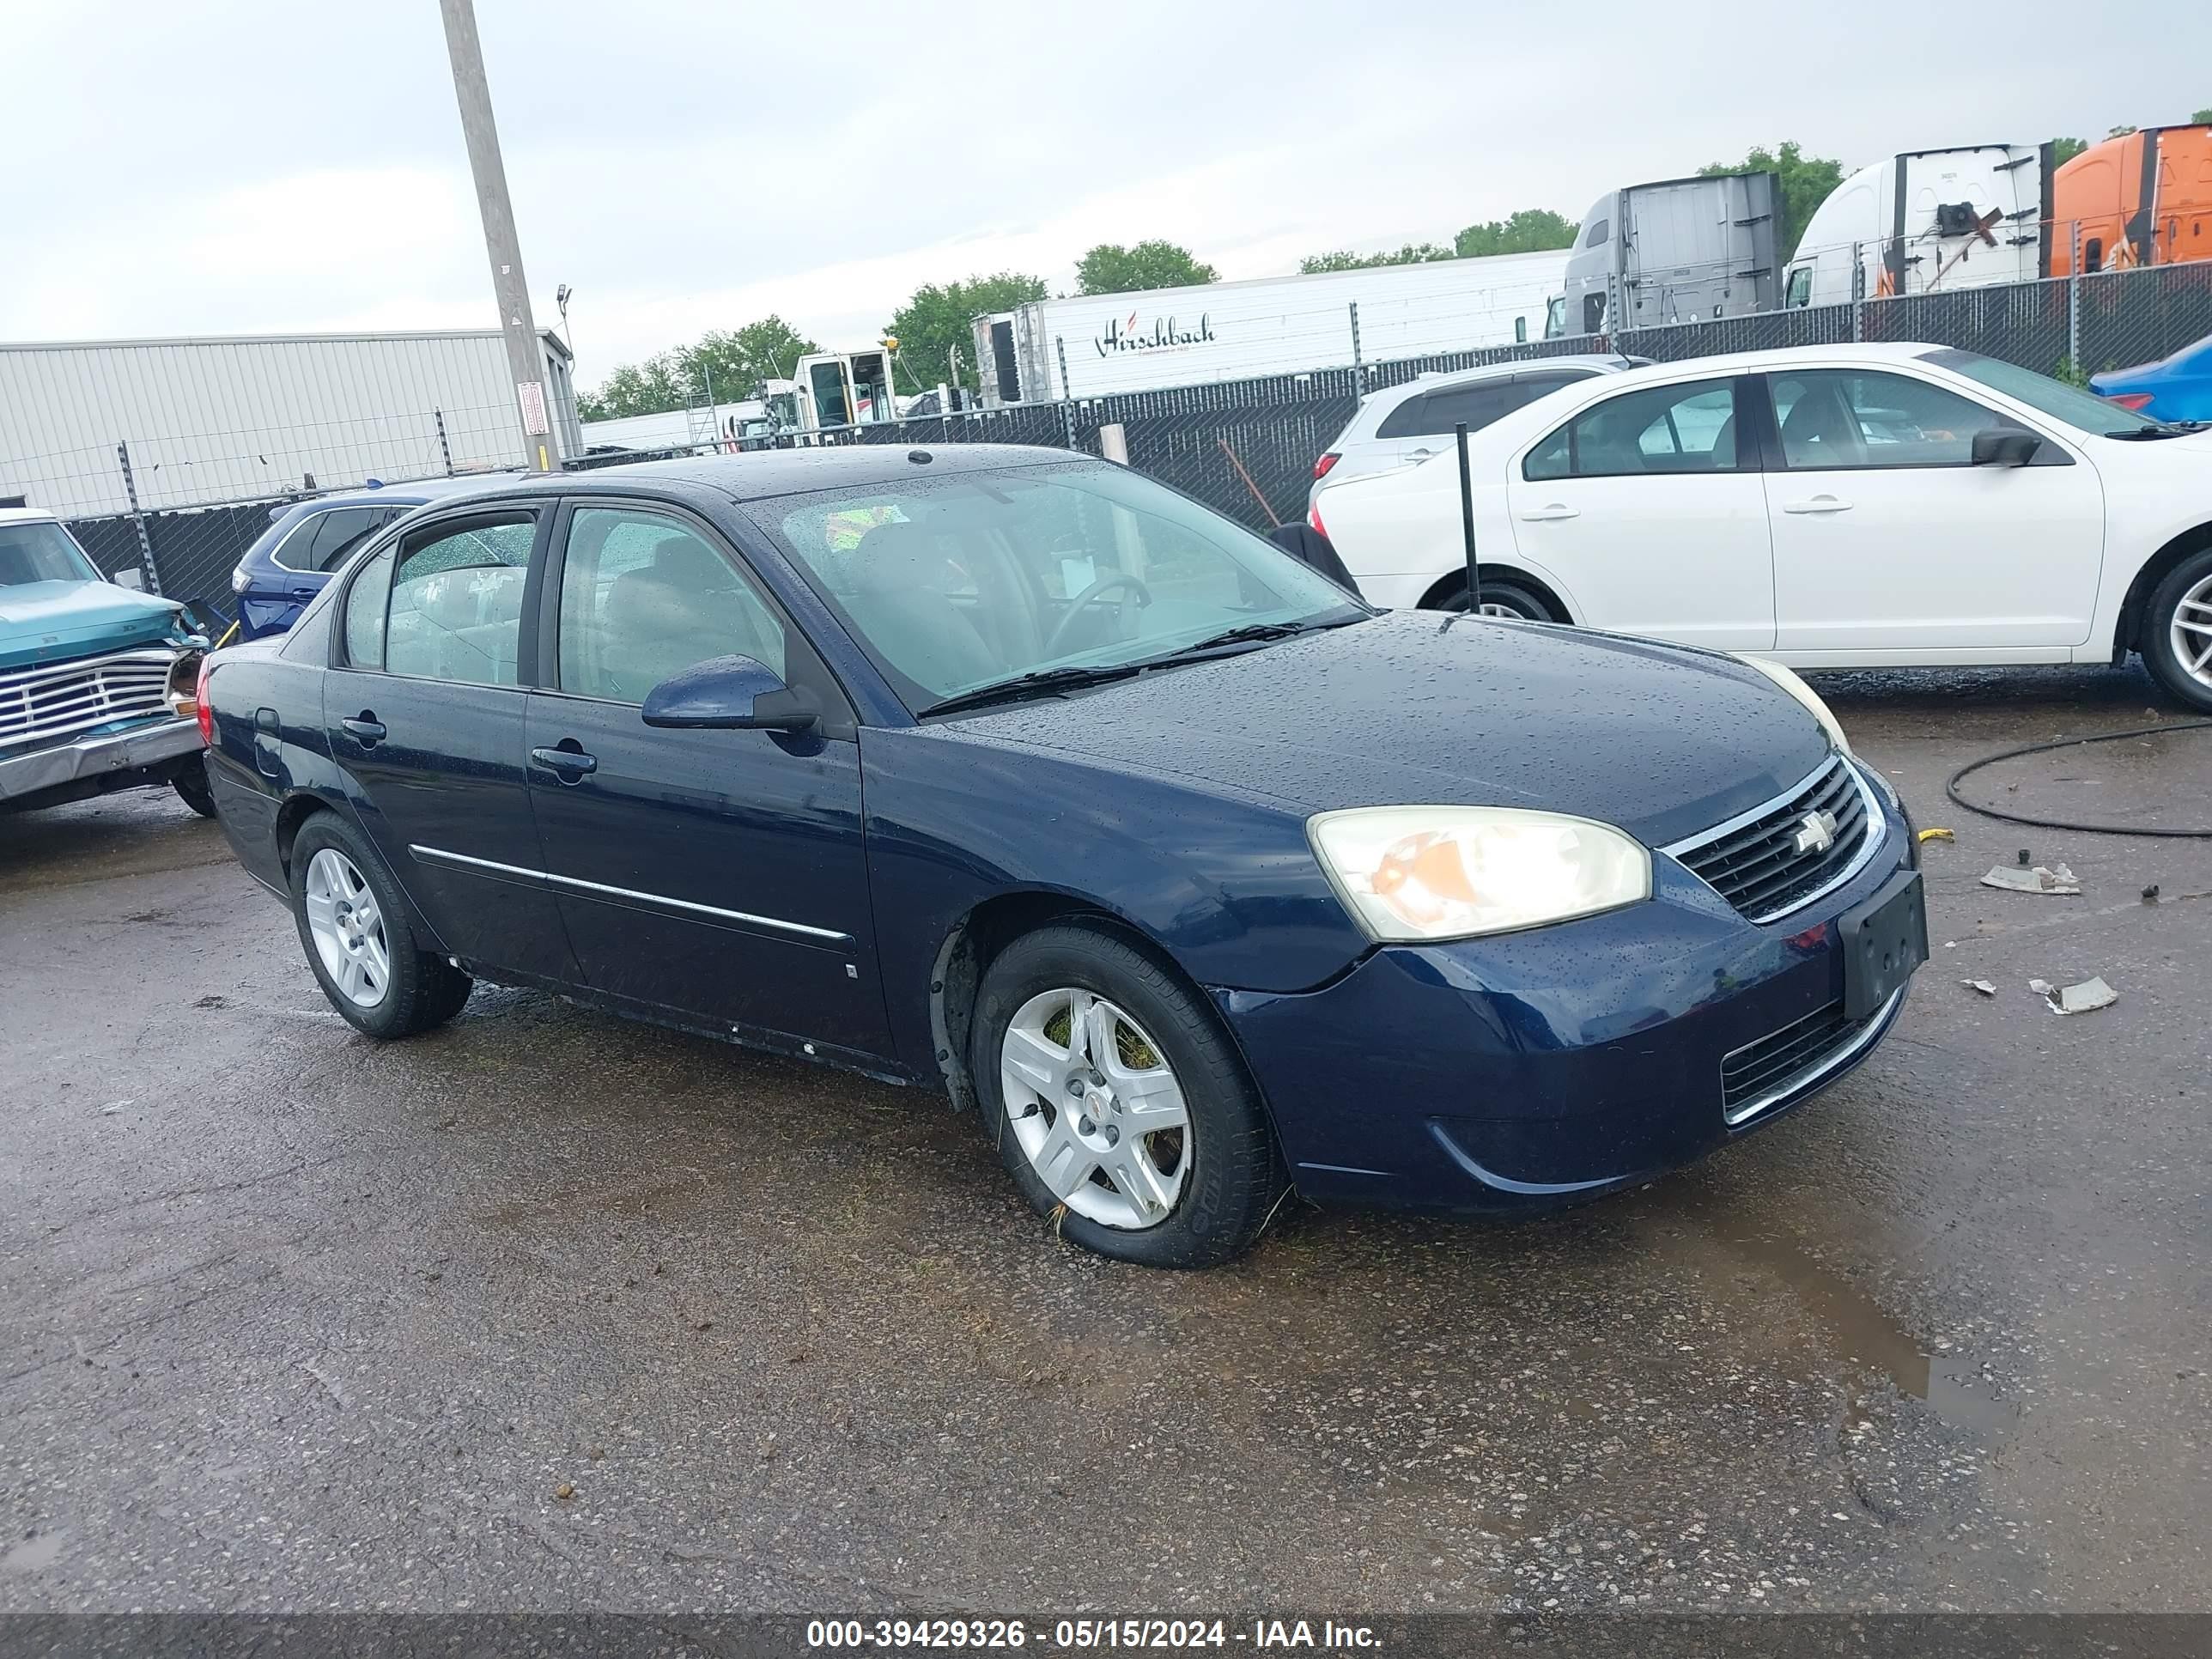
<point>727,694</point>
<point>2005,446</point>
<point>134,579</point>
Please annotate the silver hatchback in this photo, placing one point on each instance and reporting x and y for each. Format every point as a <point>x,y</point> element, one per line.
<point>1404,425</point>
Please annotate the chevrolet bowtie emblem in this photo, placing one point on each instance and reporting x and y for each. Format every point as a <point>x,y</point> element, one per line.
<point>1816,833</point>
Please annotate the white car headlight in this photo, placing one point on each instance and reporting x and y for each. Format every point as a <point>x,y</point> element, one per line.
<point>239,579</point>
<point>1437,872</point>
<point>1805,694</point>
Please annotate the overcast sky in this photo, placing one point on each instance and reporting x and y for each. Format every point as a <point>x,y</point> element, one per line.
<point>273,165</point>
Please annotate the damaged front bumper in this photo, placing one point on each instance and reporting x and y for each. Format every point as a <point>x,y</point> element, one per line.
<point>97,762</point>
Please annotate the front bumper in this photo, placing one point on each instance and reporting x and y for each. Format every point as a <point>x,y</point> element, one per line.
<point>1538,1068</point>
<point>94,758</point>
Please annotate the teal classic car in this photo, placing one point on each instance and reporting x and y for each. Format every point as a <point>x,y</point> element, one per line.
<point>98,682</point>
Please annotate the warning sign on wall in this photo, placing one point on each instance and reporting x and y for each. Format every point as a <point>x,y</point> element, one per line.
<point>533,407</point>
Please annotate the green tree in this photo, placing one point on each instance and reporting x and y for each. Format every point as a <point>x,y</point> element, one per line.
<point>936,321</point>
<point>2202,118</point>
<point>1807,181</point>
<point>733,362</point>
<point>1413,253</point>
<point>1109,268</point>
<point>2121,131</point>
<point>1532,230</point>
<point>651,387</point>
<point>737,361</point>
<point>2063,150</point>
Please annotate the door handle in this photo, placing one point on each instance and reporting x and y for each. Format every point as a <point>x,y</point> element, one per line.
<point>572,765</point>
<point>1817,504</point>
<point>1419,454</point>
<point>1551,515</point>
<point>366,727</point>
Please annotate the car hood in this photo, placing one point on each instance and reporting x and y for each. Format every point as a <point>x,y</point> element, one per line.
<point>1414,708</point>
<point>51,622</point>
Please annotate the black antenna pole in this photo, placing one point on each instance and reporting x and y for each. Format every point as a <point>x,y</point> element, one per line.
<point>1466,527</point>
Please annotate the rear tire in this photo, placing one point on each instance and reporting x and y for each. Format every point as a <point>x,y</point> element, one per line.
<point>1207,1181</point>
<point>190,780</point>
<point>2177,631</point>
<point>1506,598</point>
<point>364,954</point>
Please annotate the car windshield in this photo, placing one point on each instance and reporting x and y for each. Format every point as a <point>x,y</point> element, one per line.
<point>958,582</point>
<point>41,551</point>
<point>2077,408</point>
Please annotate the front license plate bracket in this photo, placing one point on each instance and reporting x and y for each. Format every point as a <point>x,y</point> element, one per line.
<point>1884,940</point>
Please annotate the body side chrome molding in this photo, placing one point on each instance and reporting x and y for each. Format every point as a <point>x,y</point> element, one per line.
<point>575,884</point>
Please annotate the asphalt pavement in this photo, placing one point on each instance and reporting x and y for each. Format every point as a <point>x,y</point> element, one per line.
<point>549,1311</point>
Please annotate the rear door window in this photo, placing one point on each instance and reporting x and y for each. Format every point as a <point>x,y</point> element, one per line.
<point>321,541</point>
<point>1660,428</point>
<point>456,611</point>
<point>1437,413</point>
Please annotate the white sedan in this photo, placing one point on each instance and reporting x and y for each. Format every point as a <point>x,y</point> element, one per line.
<point>1831,507</point>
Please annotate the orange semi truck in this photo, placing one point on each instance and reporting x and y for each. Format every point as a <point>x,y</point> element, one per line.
<point>2143,198</point>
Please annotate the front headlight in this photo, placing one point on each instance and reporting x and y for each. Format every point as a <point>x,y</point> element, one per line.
<point>1805,694</point>
<point>1437,873</point>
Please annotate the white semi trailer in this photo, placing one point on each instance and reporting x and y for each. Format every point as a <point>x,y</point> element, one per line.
<point>1093,345</point>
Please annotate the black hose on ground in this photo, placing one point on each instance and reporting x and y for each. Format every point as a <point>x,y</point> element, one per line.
<point>1951,788</point>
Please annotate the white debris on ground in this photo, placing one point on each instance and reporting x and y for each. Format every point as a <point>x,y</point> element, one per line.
<point>1981,985</point>
<point>2088,996</point>
<point>2044,878</point>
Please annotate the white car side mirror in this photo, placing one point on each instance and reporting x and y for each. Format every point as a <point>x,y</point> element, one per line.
<point>134,579</point>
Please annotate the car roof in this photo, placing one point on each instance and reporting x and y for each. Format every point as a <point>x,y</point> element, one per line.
<point>1751,363</point>
<point>414,493</point>
<point>26,514</point>
<point>770,472</point>
<point>1439,380</point>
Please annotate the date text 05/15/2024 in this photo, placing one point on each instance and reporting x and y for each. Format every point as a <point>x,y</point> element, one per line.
<point>1110,1635</point>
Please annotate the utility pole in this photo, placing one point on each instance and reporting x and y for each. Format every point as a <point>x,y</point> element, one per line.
<point>524,351</point>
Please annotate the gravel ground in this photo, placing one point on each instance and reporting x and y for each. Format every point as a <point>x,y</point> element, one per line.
<point>291,1321</point>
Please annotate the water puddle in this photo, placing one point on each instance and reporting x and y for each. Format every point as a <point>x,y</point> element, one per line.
<point>1862,1331</point>
<point>1853,1323</point>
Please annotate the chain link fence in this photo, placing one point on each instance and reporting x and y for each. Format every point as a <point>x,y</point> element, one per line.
<point>183,510</point>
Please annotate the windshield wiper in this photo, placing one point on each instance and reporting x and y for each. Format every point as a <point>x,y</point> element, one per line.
<point>1254,634</point>
<point>1042,681</point>
<point>2162,429</point>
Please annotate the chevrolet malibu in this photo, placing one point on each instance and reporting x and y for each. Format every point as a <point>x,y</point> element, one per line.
<point>1013,775</point>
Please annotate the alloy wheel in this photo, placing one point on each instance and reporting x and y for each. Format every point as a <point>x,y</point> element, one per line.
<point>2190,632</point>
<point>347,928</point>
<point>1096,1109</point>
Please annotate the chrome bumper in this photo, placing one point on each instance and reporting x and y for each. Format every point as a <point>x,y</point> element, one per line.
<point>90,756</point>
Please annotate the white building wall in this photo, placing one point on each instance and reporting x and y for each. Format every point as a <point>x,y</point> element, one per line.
<point>227,419</point>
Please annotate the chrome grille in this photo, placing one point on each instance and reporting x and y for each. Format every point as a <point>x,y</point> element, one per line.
<point>1766,862</point>
<point>53,701</point>
<point>1759,1074</point>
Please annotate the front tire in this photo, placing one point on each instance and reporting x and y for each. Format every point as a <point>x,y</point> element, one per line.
<point>1118,1105</point>
<point>190,780</point>
<point>353,926</point>
<point>2177,636</point>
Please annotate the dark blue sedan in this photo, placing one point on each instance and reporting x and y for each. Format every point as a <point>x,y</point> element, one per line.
<point>290,561</point>
<point>1016,775</point>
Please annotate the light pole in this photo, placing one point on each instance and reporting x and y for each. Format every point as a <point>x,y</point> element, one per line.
<point>526,357</point>
<point>562,296</point>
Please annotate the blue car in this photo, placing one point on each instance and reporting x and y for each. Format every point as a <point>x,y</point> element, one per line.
<point>2178,389</point>
<point>1016,775</point>
<point>290,561</point>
